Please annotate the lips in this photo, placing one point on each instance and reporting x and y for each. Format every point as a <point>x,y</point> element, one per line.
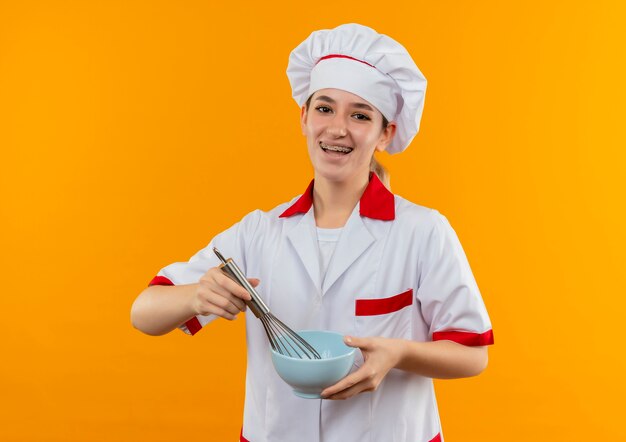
<point>344,150</point>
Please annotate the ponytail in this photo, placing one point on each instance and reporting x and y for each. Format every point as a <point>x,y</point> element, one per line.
<point>381,172</point>
<point>377,168</point>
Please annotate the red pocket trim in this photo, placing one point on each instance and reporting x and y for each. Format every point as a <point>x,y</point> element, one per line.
<point>160,280</point>
<point>382,306</point>
<point>193,325</point>
<point>436,438</point>
<point>465,338</point>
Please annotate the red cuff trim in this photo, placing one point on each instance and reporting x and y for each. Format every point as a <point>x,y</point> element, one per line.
<point>436,438</point>
<point>193,325</point>
<point>241,438</point>
<point>382,306</point>
<point>465,338</point>
<point>160,280</point>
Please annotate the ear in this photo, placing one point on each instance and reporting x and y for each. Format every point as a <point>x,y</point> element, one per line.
<point>303,117</point>
<point>386,136</point>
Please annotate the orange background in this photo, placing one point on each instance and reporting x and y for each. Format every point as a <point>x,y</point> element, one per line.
<point>131,132</point>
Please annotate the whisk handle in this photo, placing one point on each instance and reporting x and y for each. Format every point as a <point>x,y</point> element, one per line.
<point>231,269</point>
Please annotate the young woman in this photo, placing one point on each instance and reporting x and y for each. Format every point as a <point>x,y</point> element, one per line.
<point>347,255</point>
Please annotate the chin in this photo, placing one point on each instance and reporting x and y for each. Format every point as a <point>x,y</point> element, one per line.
<point>341,176</point>
<point>333,177</point>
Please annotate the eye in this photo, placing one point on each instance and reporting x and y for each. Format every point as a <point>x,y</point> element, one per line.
<point>323,109</point>
<point>361,117</point>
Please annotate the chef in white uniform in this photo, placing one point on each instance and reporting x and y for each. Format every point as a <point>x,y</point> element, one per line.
<point>347,255</point>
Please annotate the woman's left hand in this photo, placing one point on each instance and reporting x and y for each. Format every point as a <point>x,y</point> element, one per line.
<point>379,354</point>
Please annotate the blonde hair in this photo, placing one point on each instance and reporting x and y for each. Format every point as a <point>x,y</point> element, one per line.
<point>381,172</point>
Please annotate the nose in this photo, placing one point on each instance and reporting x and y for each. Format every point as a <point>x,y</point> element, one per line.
<point>337,127</point>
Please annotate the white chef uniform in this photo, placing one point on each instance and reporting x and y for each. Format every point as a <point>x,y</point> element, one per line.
<point>398,270</point>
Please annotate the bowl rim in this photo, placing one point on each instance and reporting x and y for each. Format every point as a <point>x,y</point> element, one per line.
<point>315,361</point>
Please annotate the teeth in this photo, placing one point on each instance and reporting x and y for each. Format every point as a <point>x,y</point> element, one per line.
<point>336,148</point>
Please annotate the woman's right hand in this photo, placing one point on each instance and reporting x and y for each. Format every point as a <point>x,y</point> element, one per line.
<point>219,295</point>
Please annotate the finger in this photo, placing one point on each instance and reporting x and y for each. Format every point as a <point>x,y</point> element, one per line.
<point>362,343</point>
<point>233,291</point>
<point>237,302</point>
<point>218,311</point>
<point>234,288</point>
<point>254,281</point>
<point>214,294</point>
<point>345,383</point>
<point>226,302</point>
<point>361,387</point>
<point>223,286</point>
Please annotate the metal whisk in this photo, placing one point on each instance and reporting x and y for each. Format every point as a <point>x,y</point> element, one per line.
<point>282,339</point>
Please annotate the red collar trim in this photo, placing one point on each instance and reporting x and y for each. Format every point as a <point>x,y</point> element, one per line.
<point>377,202</point>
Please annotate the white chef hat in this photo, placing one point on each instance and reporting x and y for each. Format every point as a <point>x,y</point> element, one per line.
<point>361,61</point>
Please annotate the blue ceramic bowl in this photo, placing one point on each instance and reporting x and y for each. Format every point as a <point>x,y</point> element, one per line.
<point>309,377</point>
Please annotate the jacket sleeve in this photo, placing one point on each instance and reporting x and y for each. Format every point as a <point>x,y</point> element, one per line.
<point>232,243</point>
<point>447,292</point>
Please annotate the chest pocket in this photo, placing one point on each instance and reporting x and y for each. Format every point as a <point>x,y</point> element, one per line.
<point>388,317</point>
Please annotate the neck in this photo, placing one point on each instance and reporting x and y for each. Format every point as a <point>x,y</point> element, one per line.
<point>333,202</point>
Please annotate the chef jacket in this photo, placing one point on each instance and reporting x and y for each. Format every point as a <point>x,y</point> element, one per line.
<point>398,271</point>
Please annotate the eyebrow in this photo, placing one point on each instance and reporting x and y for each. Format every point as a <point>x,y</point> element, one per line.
<point>358,105</point>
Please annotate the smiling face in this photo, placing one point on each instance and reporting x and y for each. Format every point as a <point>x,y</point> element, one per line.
<point>343,131</point>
